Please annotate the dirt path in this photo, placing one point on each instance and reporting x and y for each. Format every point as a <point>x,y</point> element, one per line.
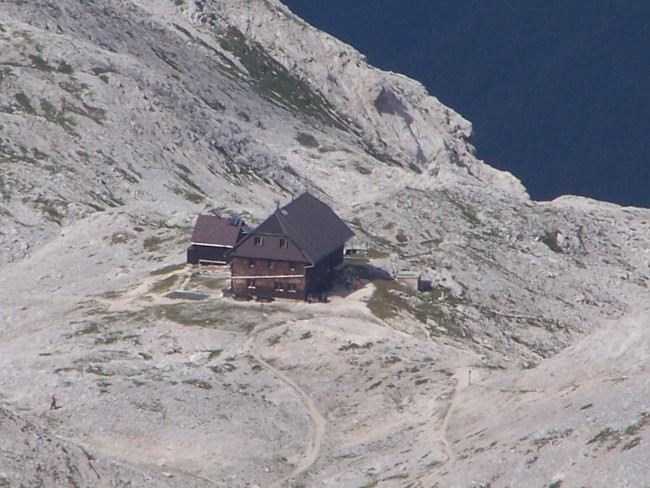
<point>318,421</point>
<point>464,377</point>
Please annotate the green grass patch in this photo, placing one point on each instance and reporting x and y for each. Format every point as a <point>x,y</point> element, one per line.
<point>214,353</point>
<point>98,369</point>
<point>307,140</point>
<point>52,209</point>
<point>168,269</point>
<point>164,285</point>
<point>24,102</point>
<point>57,116</point>
<point>112,294</point>
<point>153,243</point>
<point>640,424</point>
<point>201,281</point>
<point>89,328</point>
<point>204,385</point>
<point>223,368</point>
<point>401,237</point>
<point>119,238</point>
<point>109,338</point>
<point>65,68</point>
<point>40,64</point>
<point>103,73</point>
<point>96,114</point>
<point>353,346</point>
<point>194,315</point>
<point>73,87</point>
<point>362,169</point>
<point>189,195</point>
<point>272,80</point>
<point>385,302</point>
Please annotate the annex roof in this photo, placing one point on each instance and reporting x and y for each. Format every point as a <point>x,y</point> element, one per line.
<point>211,230</point>
<point>310,224</point>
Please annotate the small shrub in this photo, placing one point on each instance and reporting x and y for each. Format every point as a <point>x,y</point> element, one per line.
<point>635,441</point>
<point>603,436</point>
<point>119,238</point>
<point>388,360</point>
<point>401,237</point>
<point>65,68</point>
<point>307,140</point>
<point>109,338</point>
<point>40,63</point>
<point>223,368</point>
<point>23,101</point>
<point>362,169</point>
<point>153,243</point>
<point>273,340</point>
<point>353,345</point>
<point>385,304</point>
<point>198,383</point>
<point>89,328</point>
<point>214,353</point>
<point>551,436</point>
<point>98,370</point>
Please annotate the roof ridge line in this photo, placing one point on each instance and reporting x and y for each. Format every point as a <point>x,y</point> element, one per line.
<point>309,252</point>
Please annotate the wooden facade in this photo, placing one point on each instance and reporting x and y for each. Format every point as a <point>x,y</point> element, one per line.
<point>205,254</point>
<point>293,254</point>
<point>264,278</point>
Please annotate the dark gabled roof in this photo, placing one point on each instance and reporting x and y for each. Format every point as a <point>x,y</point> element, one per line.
<point>308,223</point>
<point>212,230</point>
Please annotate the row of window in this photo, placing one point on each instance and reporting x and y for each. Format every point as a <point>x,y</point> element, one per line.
<point>259,241</point>
<point>271,263</point>
<point>277,286</point>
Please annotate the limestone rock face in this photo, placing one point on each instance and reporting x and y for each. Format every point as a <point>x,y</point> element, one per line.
<point>397,121</point>
<point>121,120</point>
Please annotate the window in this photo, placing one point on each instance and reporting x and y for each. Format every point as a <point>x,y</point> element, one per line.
<point>258,240</point>
<point>291,288</point>
<point>278,286</point>
<point>271,264</point>
<point>250,284</point>
<point>292,266</point>
<point>251,263</point>
<point>284,243</point>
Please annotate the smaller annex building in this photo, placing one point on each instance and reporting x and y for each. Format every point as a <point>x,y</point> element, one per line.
<point>214,237</point>
<point>294,253</point>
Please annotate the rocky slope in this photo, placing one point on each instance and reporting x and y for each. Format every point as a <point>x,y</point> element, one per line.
<point>121,120</point>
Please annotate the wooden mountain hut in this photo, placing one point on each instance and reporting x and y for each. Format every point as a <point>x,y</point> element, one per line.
<point>294,253</point>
